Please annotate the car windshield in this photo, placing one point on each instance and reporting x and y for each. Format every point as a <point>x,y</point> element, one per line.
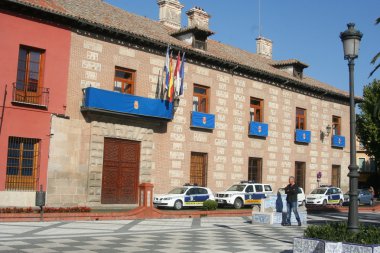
<point>180,190</point>
<point>236,188</point>
<point>318,191</point>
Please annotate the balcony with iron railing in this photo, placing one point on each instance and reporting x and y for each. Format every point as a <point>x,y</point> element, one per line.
<point>111,102</point>
<point>202,120</point>
<point>30,95</point>
<point>258,129</point>
<point>302,136</point>
<point>338,141</point>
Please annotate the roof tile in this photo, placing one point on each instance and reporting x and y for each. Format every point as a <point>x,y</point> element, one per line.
<point>101,13</point>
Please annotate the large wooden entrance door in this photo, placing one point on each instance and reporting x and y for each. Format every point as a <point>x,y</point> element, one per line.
<point>198,169</point>
<point>121,164</point>
<point>335,175</point>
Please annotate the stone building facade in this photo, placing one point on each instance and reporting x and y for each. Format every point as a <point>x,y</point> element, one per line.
<point>169,153</point>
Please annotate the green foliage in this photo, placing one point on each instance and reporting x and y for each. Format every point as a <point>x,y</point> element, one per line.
<point>337,232</point>
<point>210,205</point>
<point>377,56</point>
<point>368,121</point>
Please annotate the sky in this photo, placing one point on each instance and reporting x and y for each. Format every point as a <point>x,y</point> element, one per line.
<point>307,30</point>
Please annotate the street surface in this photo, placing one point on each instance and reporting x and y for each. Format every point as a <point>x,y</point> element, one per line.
<point>232,234</point>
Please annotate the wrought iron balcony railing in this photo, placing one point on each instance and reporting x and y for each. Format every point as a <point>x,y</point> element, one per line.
<point>30,94</point>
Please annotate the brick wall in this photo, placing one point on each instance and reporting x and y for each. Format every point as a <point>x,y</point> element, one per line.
<point>167,147</point>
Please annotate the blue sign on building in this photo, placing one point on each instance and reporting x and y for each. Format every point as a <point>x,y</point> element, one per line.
<point>111,101</point>
<point>202,120</point>
<point>258,129</point>
<point>303,136</point>
<point>338,141</point>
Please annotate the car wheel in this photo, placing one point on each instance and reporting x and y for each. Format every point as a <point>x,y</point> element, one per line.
<point>238,203</point>
<point>324,203</point>
<point>178,205</point>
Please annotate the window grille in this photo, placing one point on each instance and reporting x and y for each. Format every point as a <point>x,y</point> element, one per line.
<point>22,164</point>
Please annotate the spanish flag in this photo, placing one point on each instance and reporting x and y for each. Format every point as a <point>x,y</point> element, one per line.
<point>171,79</point>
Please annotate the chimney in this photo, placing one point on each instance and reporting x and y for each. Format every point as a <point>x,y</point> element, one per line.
<point>264,47</point>
<point>198,17</point>
<point>170,13</point>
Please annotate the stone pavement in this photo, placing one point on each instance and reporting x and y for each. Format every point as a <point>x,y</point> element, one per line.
<point>232,234</point>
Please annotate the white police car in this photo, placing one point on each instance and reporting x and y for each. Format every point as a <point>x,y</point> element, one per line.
<point>186,196</point>
<point>325,195</point>
<point>245,193</point>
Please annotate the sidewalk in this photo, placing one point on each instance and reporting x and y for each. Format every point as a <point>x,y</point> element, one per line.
<point>209,234</point>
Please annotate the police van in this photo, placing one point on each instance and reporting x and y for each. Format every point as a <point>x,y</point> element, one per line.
<point>242,194</point>
<point>186,196</point>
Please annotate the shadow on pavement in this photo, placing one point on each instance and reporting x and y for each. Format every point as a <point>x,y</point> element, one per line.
<point>252,233</point>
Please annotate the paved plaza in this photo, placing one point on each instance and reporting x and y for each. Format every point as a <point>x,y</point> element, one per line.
<point>233,234</point>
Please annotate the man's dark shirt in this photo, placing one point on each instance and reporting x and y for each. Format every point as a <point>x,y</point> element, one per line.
<point>291,192</point>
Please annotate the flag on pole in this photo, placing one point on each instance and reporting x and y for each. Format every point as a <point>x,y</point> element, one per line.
<point>167,68</point>
<point>171,79</point>
<point>182,75</point>
<point>177,76</point>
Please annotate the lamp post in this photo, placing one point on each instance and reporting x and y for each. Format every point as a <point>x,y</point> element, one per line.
<point>351,40</point>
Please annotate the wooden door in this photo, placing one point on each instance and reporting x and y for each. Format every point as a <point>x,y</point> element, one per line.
<point>300,174</point>
<point>335,177</point>
<point>255,169</point>
<point>198,169</point>
<point>121,165</point>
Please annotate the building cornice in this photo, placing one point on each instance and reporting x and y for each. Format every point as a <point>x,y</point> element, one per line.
<point>114,35</point>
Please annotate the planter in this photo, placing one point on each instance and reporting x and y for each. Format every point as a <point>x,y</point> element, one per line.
<point>308,245</point>
<point>273,211</point>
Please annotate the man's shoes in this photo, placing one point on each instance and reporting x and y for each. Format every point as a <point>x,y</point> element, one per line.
<point>286,224</point>
<point>299,224</point>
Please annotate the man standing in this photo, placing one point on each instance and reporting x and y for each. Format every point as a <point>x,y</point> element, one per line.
<point>291,191</point>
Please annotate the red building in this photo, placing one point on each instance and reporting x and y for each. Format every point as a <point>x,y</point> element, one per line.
<point>33,85</point>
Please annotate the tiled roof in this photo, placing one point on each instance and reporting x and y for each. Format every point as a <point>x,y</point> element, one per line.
<point>99,13</point>
<point>290,62</point>
<point>192,29</point>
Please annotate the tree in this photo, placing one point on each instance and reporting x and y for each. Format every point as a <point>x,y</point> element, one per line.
<point>368,121</point>
<point>377,56</point>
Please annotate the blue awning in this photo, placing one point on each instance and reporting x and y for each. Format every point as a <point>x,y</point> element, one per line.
<point>303,136</point>
<point>258,129</point>
<point>202,120</point>
<point>111,101</point>
<point>338,141</point>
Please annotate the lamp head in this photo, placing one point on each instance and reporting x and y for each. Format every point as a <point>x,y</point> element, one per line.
<point>351,41</point>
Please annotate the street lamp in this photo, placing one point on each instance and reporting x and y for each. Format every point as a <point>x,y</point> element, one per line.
<point>351,40</point>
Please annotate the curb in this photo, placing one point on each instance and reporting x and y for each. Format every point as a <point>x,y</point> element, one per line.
<point>137,213</point>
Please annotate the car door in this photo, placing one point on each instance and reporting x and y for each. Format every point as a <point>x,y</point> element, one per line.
<point>259,193</point>
<point>190,197</point>
<point>330,195</point>
<point>335,196</point>
<point>248,195</point>
<point>202,196</point>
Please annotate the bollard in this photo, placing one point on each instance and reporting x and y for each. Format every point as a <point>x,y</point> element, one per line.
<point>40,201</point>
<point>146,195</point>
